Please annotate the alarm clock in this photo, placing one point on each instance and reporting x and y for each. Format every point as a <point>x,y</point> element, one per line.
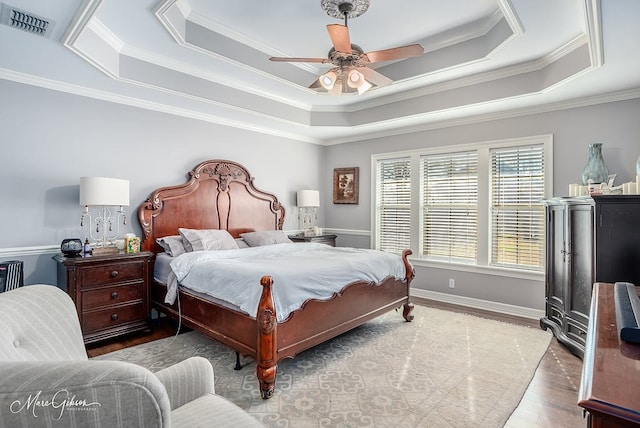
<point>71,247</point>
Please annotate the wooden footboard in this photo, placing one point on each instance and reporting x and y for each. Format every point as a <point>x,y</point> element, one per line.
<point>321,320</point>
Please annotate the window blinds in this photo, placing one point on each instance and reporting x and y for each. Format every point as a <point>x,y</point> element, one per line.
<point>393,199</point>
<point>450,206</point>
<point>517,212</point>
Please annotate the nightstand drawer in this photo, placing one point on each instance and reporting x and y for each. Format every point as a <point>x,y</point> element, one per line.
<point>118,294</point>
<point>111,273</point>
<point>111,316</point>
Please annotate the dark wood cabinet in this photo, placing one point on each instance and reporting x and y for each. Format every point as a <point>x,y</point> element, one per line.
<point>322,239</point>
<point>610,383</point>
<point>588,239</point>
<point>111,292</point>
<point>617,238</point>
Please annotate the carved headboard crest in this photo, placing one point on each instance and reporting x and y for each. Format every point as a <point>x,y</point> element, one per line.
<point>223,171</point>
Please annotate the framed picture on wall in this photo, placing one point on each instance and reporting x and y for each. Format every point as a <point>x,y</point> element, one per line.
<point>345,185</point>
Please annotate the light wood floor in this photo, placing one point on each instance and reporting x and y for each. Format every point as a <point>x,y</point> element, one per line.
<point>549,402</point>
<point>552,396</point>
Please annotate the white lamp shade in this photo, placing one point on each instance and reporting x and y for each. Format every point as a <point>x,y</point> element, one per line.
<point>104,191</point>
<point>308,198</point>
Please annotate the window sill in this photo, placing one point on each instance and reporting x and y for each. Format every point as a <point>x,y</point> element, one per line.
<point>484,270</point>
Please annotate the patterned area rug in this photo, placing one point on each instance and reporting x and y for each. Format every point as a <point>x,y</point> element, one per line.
<point>444,369</point>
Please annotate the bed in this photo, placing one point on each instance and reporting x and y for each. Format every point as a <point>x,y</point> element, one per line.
<point>220,194</point>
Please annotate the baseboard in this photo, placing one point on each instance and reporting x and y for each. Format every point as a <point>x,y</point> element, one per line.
<point>502,308</point>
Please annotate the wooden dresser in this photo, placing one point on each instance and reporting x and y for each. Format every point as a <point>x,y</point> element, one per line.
<point>610,385</point>
<point>111,292</point>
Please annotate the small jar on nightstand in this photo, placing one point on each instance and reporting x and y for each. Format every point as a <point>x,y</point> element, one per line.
<point>322,239</point>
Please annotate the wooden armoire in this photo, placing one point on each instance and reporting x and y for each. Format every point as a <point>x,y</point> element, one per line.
<point>589,239</point>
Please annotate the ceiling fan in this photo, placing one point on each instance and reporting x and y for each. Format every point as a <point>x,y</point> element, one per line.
<point>351,72</point>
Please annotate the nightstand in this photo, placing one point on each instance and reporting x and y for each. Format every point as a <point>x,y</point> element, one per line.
<point>111,292</point>
<point>322,239</point>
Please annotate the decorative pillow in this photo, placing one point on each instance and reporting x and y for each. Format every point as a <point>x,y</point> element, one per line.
<point>265,237</point>
<point>172,245</point>
<point>241,243</point>
<point>207,239</point>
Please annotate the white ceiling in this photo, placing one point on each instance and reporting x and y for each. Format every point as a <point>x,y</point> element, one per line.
<point>208,59</point>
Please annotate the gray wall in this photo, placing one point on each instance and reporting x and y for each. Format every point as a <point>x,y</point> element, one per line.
<point>614,124</point>
<point>50,139</point>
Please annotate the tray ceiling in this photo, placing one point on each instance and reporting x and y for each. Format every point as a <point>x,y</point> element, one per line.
<point>210,60</point>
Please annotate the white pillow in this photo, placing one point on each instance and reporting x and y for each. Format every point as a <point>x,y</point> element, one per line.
<point>241,243</point>
<point>265,237</point>
<point>207,239</point>
<point>172,245</point>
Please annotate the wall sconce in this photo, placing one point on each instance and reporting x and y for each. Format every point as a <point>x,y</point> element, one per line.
<point>104,193</point>
<point>308,202</point>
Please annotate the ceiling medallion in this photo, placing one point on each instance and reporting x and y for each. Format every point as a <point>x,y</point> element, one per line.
<point>339,8</point>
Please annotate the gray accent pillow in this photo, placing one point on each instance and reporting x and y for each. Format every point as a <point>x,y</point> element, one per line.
<point>265,237</point>
<point>207,239</point>
<point>172,245</point>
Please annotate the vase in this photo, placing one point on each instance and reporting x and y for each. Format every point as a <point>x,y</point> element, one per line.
<point>595,170</point>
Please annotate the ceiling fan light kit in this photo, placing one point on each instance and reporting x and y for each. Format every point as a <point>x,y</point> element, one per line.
<point>351,72</point>
<point>328,79</point>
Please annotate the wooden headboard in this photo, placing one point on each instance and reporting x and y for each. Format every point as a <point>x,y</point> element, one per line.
<point>218,195</point>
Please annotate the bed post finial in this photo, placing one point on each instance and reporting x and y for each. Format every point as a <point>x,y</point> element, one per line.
<point>267,351</point>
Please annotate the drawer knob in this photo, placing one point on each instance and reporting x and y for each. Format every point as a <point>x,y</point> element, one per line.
<point>114,295</point>
<point>114,273</point>
<point>114,317</point>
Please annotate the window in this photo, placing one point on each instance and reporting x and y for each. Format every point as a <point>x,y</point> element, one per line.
<point>393,196</point>
<point>517,216</point>
<point>478,205</point>
<point>449,195</point>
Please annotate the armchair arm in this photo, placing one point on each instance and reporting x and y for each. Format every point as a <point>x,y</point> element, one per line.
<point>82,394</point>
<point>187,380</point>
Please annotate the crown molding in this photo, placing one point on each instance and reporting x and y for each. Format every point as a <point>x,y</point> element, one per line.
<point>305,138</point>
<point>488,117</point>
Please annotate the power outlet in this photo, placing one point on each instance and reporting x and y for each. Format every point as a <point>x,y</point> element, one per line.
<point>452,283</point>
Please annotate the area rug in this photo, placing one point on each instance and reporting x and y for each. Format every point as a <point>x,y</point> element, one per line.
<point>444,369</point>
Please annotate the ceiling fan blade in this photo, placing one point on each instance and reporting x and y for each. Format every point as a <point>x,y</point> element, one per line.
<point>339,37</point>
<point>286,59</point>
<point>374,77</point>
<point>316,84</point>
<point>395,53</point>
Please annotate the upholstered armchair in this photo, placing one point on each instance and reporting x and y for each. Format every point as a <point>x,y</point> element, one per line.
<point>46,379</point>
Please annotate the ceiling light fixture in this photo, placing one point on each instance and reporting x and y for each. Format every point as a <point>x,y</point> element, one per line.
<point>351,70</point>
<point>328,80</point>
<point>357,81</point>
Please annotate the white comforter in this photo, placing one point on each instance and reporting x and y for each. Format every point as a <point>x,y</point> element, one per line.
<point>300,271</point>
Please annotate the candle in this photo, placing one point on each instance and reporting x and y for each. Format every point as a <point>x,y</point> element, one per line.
<point>573,189</point>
